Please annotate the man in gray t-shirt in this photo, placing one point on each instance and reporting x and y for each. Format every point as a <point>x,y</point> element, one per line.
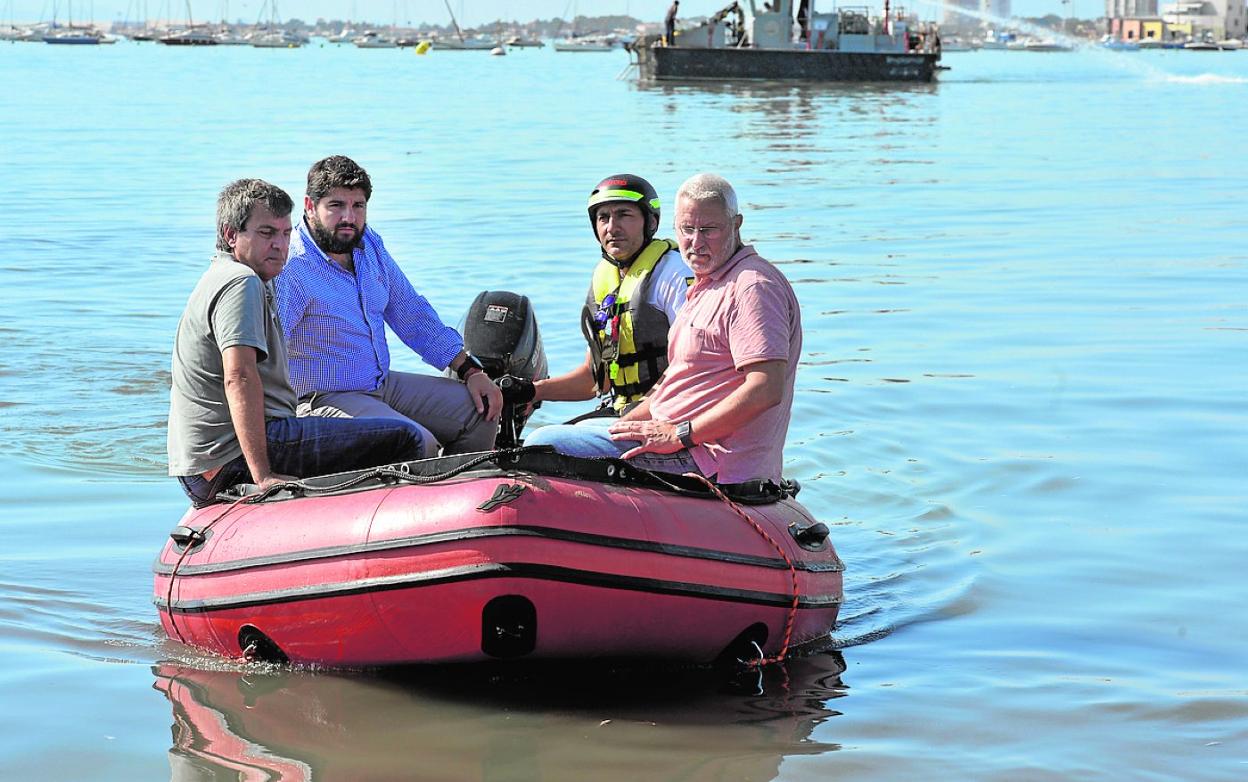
<point>232,409</point>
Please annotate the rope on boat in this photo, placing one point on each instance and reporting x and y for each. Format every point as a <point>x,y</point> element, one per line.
<point>792,614</point>
<point>406,476</point>
<point>200,534</point>
<point>378,472</point>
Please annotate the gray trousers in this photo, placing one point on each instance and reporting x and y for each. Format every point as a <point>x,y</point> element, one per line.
<point>440,406</point>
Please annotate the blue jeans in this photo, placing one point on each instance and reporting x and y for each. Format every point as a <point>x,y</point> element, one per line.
<point>305,447</point>
<point>590,439</point>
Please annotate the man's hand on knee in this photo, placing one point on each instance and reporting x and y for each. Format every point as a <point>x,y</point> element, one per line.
<point>485,395</point>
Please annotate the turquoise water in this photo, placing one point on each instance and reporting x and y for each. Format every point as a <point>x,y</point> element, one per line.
<point>1022,406</point>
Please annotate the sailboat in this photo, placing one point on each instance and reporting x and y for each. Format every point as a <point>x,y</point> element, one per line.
<point>189,35</point>
<point>75,35</point>
<point>479,43</point>
<point>585,43</point>
<point>273,36</point>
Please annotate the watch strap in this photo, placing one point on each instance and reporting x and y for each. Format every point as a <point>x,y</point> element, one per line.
<point>467,366</point>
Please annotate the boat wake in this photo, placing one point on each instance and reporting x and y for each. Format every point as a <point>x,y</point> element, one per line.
<point>1205,78</point>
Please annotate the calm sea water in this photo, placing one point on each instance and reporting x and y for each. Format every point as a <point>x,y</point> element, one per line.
<point>1022,407</point>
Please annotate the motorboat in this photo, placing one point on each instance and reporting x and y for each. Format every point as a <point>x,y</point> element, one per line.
<point>375,40</point>
<point>78,36</point>
<point>477,44</point>
<point>956,44</point>
<point>585,44</point>
<point>277,39</point>
<point>1040,45</point>
<point>227,37</point>
<point>514,554</point>
<point>190,36</point>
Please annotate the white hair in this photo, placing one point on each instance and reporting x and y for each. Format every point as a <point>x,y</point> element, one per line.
<point>710,187</point>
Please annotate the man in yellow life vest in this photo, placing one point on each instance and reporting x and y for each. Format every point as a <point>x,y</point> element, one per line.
<point>636,290</point>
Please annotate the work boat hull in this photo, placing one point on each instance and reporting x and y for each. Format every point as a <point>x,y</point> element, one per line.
<point>674,63</point>
<point>507,561</point>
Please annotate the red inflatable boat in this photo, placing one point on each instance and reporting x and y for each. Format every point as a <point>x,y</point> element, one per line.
<point>516,554</point>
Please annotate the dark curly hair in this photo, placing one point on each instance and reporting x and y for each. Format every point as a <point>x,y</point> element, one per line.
<point>337,171</point>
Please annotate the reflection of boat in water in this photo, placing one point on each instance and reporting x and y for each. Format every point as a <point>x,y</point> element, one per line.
<point>463,726</point>
<point>207,730</point>
<point>746,42</point>
<point>518,554</point>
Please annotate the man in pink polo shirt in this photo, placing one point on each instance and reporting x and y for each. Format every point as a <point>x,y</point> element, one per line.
<point>723,405</point>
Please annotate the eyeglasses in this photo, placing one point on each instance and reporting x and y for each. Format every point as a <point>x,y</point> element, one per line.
<point>708,232</point>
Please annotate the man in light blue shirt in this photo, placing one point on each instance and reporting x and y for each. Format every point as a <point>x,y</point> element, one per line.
<point>231,408</point>
<point>338,292</point>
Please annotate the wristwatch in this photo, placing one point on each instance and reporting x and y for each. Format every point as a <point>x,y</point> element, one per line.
<point>684,430</point>
<point>469,363</point>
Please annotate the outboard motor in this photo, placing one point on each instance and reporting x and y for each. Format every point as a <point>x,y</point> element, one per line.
<point>501,330</point>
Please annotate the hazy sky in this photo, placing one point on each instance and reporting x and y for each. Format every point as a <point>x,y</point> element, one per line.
<point>468,12</point>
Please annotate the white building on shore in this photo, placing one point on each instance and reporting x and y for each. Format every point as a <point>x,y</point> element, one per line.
<point>1218,19</point>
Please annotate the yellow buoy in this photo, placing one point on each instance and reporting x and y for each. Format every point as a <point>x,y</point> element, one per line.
<point>422,47</point>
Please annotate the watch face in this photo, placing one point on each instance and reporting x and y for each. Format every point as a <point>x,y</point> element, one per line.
<point>684,432</point>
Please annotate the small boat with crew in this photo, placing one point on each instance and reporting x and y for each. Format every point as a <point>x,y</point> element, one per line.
<point>746,41</point>
<point>515,554</point>
<point>519,553</point>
